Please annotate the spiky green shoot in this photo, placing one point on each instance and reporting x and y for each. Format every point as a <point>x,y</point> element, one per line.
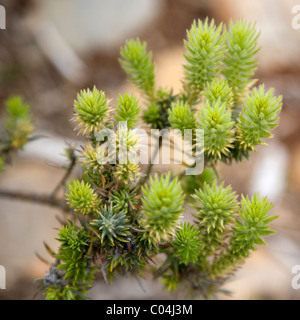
<point>217,206</point>
<point>124,201</point>
<point>89,157</point>
<point>254,225</point>
<point>218,89</point>
<point>258,117</point>
<point>215,120</point>
<point>162,207</point>
<point>1,164</point>
<point>76,267</point>
<point>137,63</point>
<point>112,227</point>
<point>181,117</point>
<point>17,122</point>
<point>127,110</point>
<point>72,237</point>
<point>157,112</point>
<point>216,209</point>
<point>91,111</point>
<point>128,173</point>
<point>240,61</point>
<point>187,244</point>
<point>81,197</point>
<point>205,46</point>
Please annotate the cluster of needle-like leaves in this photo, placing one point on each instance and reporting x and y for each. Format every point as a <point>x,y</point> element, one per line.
<point>204,57</point>
<point>91,110</point>
<point>82,197</point>
<point>181,116</point>
<point>137,63</point>
<point>18,127</point>
<point>110,225</point>
<point>187,244</point>
<point>216,208</point>
<point>162,208</point>
<point>128,109</point>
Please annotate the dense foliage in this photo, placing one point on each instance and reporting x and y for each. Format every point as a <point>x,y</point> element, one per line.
<point>122,218</point>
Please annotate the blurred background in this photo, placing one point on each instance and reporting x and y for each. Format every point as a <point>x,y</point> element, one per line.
<point>53,48</point>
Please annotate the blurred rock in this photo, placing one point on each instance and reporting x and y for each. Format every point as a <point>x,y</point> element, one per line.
<point>98,25</point>
<point>278,39</point>
<point>269,177</point>
<point>261,277</point>
<point>48,148</point>
<point>294,170</point>
<point>24,226</point>
<point>128,288</point>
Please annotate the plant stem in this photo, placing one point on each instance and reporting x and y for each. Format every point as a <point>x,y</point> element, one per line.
<point>39,199</point>
<point>150,165</point>
<point>65,177</point>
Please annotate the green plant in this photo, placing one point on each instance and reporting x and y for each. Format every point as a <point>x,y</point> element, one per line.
<point>18,128</point>
<point>122,219</point>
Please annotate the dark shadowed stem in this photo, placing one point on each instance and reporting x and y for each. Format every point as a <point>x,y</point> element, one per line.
<point>156,151</point>
<point>62,183</point>
<point>213,165</point>
<point>39,199</point>
<point>149,168</point>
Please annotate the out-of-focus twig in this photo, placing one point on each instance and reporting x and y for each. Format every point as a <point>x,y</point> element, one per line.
<point>65,177</point>
<point>35,198</point>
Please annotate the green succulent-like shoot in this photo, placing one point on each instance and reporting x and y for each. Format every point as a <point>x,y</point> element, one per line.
<point>111,226</point>
<point>258,117</point>
<point>192,182</point>
<point>162,207</point>
<point>218,89</point>
<point>73,274</point>
<point>215,120</point>
<point>128,173</point>
<point>17,122</point>
<point>187,244</point>
<point>181,117</point>
<point>152,116</point>
<point>252,225</point>
<point>218,206</point>
<point>94,157</point>
<point>240,61</point>
<point>75,265</point>
<point>216,209</point>
<point>123,201</point>
<point>1,164</point>
<point>91,111</point>
<point>157,113</point>
<point>127,110</point>
<point>89,157</point>
<point>205,52</point>
<point>129,144</point>
<point>81,197</point>
<point>127,139</point>
<point>72,237</point>
<point>171,282</point>
<point>66,293</point>
<point>137,63</point>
